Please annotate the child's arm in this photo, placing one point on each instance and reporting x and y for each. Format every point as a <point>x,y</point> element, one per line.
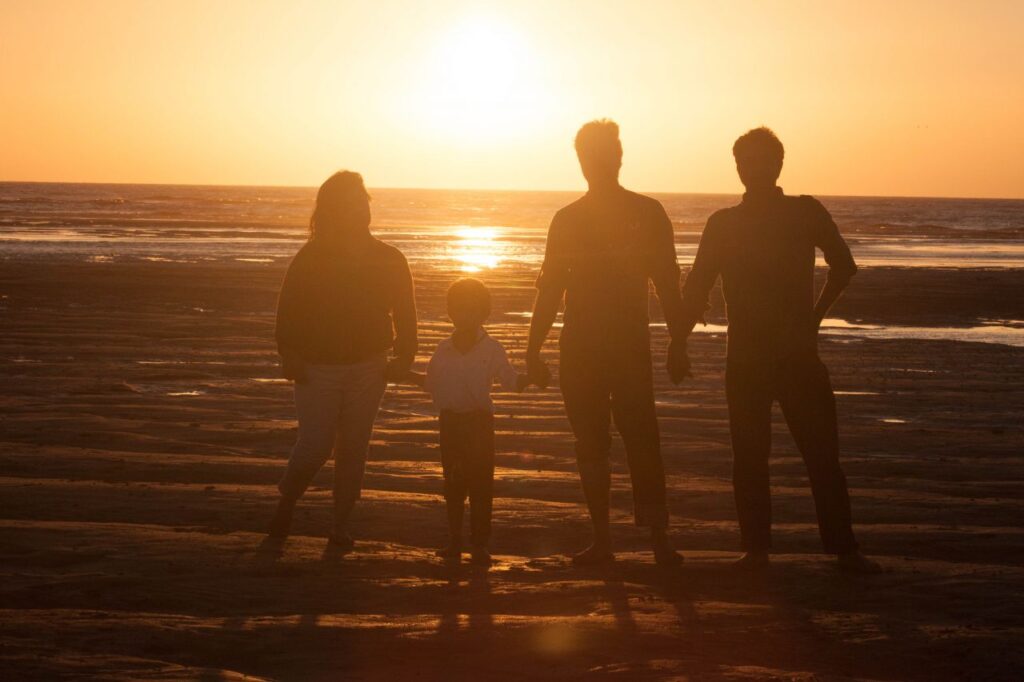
<point>416,378</point>
<point>508,378</point>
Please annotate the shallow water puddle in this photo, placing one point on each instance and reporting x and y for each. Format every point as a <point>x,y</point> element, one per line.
<point>1003,332</point>
<point>999,332</point>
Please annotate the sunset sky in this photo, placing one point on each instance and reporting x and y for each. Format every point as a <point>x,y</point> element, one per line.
<point>870,98</point>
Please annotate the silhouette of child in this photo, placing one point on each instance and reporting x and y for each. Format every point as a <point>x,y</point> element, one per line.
<point>459,378</point>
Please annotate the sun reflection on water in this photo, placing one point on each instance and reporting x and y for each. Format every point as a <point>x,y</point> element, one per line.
<point>477,248</point>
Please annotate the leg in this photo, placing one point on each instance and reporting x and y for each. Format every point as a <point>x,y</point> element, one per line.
<point>637,423</point>
<point>632,405</point>
<point>455,486</point>
<point>748,393</point>
<point>317,403</point>
<point>805,394</point>
<point>362,389</point>
<point>587,398</point>
<point>480,479</point>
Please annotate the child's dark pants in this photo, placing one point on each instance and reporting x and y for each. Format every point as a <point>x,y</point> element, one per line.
<point>467,458</point>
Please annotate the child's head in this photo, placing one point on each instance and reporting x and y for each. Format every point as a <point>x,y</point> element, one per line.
<point>469,303</point>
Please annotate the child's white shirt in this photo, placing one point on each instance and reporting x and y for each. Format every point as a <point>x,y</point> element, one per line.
<point>461,382</point>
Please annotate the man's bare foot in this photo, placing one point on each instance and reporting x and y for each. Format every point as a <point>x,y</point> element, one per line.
<point>453,550</point>
<point>480,556</point>
<point>281,524</point>
<point>341,540</point>
<point>664,554</point>
<point>595,555</point>
<point>855,562</point>
<point>753,561</point>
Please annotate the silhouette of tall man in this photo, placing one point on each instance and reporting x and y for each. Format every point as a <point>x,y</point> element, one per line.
<point>764,250</point>
<point>602,252</point>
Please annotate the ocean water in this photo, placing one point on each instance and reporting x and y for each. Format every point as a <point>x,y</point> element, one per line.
<point>470,230</point>
<point>113,222</point>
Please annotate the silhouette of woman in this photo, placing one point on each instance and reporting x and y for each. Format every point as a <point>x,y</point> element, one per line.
<point>347,299</point>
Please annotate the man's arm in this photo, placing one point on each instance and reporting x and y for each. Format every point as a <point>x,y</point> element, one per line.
<point>830,293</point>
<point>701,278</point>
<point>665,275</point>
<point>551,284</point>
<point>694,299</point>
<point>545,310</point>
<point>841,266</point>
<point>404,313</point>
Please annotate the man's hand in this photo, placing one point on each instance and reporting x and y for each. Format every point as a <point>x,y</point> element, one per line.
<point>293,369</point>
<point>537,372</point>
<point>678,362</point>
<point>522,381</point>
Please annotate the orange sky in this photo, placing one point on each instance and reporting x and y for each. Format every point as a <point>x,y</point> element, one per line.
<point>870,98</point>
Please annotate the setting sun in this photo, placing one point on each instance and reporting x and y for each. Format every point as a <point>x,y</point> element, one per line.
<point>424,340</point>
<point>481,79</point>
<point>459,94</point>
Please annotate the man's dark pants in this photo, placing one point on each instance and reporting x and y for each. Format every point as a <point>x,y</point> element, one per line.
<point>597,387</point>
<point>467,459</point>
<point>802,386</point>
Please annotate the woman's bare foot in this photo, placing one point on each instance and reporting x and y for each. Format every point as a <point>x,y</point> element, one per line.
<point>480,556</point>
<point>664,553</point>
<point>597,554</point>
<point>855,562</point>
<point>453,550</point>
<point>757,560</point>
<point>281,524</point>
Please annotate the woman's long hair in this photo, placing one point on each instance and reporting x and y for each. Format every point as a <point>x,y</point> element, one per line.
<point>342,208</point>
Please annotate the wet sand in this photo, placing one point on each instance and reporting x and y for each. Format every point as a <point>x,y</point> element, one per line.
<point>144,428</point>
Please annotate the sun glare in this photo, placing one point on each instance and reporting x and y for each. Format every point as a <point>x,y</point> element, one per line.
<point>482,81</point>
<point>477,248</point>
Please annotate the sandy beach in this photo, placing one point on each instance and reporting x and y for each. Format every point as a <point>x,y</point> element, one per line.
<point>163,163</point>
<point>145,426</point>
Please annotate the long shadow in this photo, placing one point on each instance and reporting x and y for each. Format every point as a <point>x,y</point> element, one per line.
<point>448,619</point>
<point>467,609</point>
<point>467,601</point>
<point>674,589</point>
<point>618,599</point>
<point>481,607</point>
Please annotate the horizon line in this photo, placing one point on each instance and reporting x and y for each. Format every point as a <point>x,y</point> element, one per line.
<point>492,189</point>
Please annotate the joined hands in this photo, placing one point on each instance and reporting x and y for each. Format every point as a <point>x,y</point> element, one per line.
<point>677,361</point>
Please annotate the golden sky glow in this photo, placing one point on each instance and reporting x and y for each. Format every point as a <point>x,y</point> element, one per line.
<point>873,98</point>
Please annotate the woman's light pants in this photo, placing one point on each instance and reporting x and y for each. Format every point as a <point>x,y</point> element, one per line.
<point>336,406</point>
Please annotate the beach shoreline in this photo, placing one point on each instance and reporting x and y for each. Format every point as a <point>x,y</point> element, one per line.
<point>145,426</point>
